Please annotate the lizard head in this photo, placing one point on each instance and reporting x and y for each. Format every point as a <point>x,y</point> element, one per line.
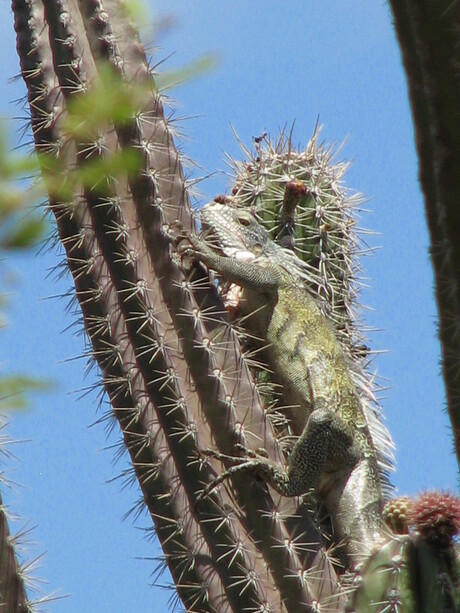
<point>234,231</point>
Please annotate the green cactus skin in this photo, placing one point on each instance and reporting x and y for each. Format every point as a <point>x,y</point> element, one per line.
<point>298,194</point>
<point>418,570</point>
<point>407,575</point>
<point>381,585</point>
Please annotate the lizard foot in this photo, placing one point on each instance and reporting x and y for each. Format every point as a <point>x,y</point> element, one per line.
<point>192,246</point>
<point>251,462</point>
<point>260,452</point>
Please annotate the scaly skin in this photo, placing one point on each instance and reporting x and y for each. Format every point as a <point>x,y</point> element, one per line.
<point>334,453</point>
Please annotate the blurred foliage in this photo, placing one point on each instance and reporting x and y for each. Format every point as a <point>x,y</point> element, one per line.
<point>13,389</point>
<point>92,114</point>
<point>21,228</point>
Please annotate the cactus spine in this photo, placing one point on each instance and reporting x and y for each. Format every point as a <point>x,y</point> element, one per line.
<point>13,575</point>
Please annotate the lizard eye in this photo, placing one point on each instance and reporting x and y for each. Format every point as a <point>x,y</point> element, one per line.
<point>243,221</point>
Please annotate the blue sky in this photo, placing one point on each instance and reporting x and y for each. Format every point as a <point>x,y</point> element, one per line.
<point>277,62</point>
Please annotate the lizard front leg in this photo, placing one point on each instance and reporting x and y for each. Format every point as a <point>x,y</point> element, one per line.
<point>267,277</point>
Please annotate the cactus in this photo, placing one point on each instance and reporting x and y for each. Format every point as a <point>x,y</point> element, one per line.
<point>16,584</point>
<point>12,585</point>
<point>13,594</point>
<point>417,570</point>
<point>20,591</point>
<point>299,198</point>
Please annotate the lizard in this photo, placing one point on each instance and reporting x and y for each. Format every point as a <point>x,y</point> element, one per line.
<point>334,453</point>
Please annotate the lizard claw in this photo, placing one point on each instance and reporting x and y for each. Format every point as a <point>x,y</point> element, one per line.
<point>188,245</point>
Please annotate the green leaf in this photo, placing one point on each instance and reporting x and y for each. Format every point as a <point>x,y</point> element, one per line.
<point>13,391</point>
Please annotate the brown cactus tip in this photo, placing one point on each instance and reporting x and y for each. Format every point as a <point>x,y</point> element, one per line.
<point>296,188</point>
<point>397,514</point>
<point>436,517</point>
<point>221,199</point>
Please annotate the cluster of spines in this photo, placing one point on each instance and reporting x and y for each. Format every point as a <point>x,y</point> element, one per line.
<point>171,365</point>
<point>299,197</point>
